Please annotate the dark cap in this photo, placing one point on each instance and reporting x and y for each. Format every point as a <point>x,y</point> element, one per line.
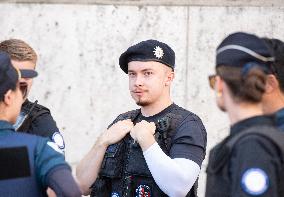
<point>9,75</point>
<point>240,48</point>
<point>149,50</point>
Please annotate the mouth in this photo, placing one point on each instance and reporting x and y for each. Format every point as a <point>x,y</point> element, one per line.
<point>138,92</point>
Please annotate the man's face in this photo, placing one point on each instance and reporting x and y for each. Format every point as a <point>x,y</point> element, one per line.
<point>147,81</point>
<point>25,65</point>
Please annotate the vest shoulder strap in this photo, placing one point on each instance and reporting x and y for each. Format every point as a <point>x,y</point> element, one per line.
<point>132,115</point>
<point>274,135</point>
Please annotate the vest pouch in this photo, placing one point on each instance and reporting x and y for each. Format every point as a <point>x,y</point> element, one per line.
<point>112,166</point>
<point>136,162</point>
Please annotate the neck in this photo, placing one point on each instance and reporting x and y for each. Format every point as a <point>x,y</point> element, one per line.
<point>4,115</point>
<point>155,108</point>
<point>4,118</point>
<point>273,102</point>
<point>243,111</point>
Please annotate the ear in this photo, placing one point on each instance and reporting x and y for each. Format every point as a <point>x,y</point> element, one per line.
<point>8,98</point>
<point>170,78</point>
<point>219,85</point>
<point>271,84</point>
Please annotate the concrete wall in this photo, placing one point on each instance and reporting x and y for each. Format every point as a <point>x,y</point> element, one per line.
<point>79,46</point>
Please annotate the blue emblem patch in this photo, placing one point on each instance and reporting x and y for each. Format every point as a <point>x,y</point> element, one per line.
<point>255,181</point>
<point>143,191</point>
<point>114,194</point>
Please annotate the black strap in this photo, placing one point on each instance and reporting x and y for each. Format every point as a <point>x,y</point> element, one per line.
<point>275,136</point>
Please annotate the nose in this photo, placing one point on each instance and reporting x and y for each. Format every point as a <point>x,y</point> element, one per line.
<point>139,81</point>
<point>24,80</point>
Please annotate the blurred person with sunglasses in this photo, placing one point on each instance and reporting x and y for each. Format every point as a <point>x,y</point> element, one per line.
<point>249,162</point>
<point>29,163</point>
<point>34,118</point>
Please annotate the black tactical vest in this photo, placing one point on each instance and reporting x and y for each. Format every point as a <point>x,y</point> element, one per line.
<point>218,179</point>
<point>124,170</point>
<point>29,112</point>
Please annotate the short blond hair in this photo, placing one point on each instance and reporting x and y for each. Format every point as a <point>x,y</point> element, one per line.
<point>18,50</point>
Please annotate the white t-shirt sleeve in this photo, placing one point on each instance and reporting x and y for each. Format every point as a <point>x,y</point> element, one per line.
<point>175,177</point>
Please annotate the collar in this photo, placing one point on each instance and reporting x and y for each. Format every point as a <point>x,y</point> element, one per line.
<point>279,118</point>
<point>253,121</point>
<point>26,102</point>
<point>4,126</point>
<point>160,114</point>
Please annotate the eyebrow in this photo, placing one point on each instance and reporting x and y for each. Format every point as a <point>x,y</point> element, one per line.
<point>146,69</point>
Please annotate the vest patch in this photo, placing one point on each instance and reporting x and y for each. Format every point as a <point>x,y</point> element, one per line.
<point>143,191</point>
<point>58,140</point>
<point>14,163</point>
<point>255,181</point>
<point>55,147</point>
<point>114,194</point>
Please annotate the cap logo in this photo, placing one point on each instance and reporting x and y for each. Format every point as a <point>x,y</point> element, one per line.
<point>158,52</point>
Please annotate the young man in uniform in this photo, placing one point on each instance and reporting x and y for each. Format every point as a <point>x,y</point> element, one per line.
<point>273,99</point>
<point>29,164</point>
<point>156,150</point>
<point>34,118</point>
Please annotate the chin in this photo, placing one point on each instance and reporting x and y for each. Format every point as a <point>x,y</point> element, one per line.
<point>142,103</point>
<point>222,108</point>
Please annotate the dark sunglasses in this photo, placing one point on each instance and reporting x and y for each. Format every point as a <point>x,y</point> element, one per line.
<point>24,89</point>
<point>212,80</point>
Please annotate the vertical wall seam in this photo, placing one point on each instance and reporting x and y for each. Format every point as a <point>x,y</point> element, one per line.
<point>187,57</point>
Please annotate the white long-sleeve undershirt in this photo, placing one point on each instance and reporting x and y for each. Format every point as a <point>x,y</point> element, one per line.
<point>175,177</point>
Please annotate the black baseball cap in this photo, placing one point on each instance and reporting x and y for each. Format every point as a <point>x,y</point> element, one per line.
<point>9,75</point>
<point>240,48</point>
<point>149,50</point>
<point>28,73</point>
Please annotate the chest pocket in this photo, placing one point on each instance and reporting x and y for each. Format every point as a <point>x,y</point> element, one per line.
<point>112,166</point>
<point>136,164</point>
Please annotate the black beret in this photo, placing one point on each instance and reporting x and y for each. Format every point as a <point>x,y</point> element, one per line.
<point>240,48</point>
<point>149,50</point>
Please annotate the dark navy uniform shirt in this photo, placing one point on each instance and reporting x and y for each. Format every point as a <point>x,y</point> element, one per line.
<point>255,162</point>
<point>43,157</point>
<point>190,139</point>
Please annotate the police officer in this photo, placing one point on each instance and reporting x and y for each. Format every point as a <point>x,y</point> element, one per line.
<point>34,118</point>
<point>273,99</point>
<point>29,164</point>
<point>249,162</point>
<point>156,150</point>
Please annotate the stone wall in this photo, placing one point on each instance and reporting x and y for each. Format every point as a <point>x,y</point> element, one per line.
<point>79,46</point>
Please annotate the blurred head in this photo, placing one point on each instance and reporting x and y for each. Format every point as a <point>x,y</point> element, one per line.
<point>242,65</point>
<point>11,96</point>
<point>273,98</point>
<point>150,67</point>
<point>23,57</point>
